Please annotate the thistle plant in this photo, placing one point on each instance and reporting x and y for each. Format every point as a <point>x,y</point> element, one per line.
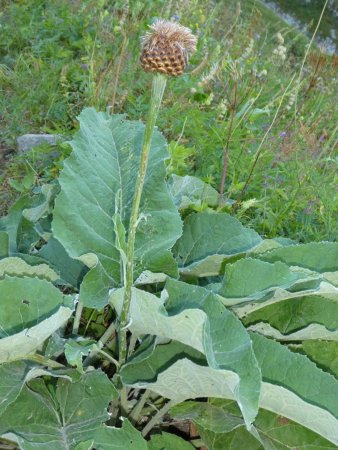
<point>165,51</point>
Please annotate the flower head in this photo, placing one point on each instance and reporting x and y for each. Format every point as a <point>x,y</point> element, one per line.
<point>166,48</point>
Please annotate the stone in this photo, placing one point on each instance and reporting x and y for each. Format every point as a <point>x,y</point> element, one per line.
<point>27,141</point>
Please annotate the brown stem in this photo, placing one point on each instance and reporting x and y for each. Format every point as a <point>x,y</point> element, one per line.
<point>226,148</point>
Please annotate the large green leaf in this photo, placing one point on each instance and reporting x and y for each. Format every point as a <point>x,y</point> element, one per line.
<point>70,270</point>
<point>312,331</point>
<point>295,314</point>
<point>318,256</point>
<point>167,441</point>
<point>323,353</point>
<point>125,438</point>
<point>210,239</point>
<point>198,319</point>
<point>13,377</point>
<point>294,387</point>
<point>25,302</point>
<point>16,266</point>
<point>244,306</point>
<point>178,373</point>
<point>4,244</point>
<point>256,279</point>
<point>58,418</point>
<point>221,427</point>
<point>32,309</point>
<point>98,182</point>
<point>190,191</point>
<point>22,234</point>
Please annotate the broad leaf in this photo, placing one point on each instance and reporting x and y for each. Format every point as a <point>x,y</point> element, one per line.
<point>312,331</point>
<point>26,342</point>
<point>207,416</point>
<point>168,441</point>
<point>32,309</point>
<point>4,244</point>
<point>318,256</point>
<point>70,270</point>
<point>17,266</point>
<point>178,373</point>
<point>59,418</point>
<point>294,387</point>
<point>48,193</point>
<point>125,438</point>
<point>22,235</point>
<point>256,279</point>
<point>294,314</point>
<point>244,306</point>
<point>209,240</point>
<point>101,169</point>
<point>323,353</point>
<point>189,191</point>
<point>221,427</point>
<point>75,350</point>
<point>25,302</point>
<point>198,319</point>
<point>13,377</point>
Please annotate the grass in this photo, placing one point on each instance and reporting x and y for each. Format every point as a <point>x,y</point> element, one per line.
<point>68,55</point>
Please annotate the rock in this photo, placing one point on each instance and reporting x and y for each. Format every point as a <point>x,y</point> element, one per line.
<point>27,141</point>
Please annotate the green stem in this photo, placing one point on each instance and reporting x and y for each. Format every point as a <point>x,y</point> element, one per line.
<point>45,361</point>
<point>134,415</point>
<point>159,82</point>
<point>110,358</point>
<point>157,417</point>
<point>110,331</point>
<point>124,401</point>
<point>77,318</point>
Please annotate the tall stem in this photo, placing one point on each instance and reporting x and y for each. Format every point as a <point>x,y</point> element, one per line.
<point>226,148</point>
<point>159,82</point>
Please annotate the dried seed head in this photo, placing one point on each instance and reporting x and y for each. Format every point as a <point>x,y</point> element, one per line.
<point>166,48</point>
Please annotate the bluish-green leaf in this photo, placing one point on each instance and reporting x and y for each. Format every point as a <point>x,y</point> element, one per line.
<point>58,418</point>
<point>32,309</point>
<point>105,159</point>
<point>196,318</point>
<point>318,256</point>
<point>168,441</point>
<point>125,438</point>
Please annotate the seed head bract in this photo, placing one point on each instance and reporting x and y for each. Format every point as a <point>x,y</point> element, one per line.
<point>165,49</point>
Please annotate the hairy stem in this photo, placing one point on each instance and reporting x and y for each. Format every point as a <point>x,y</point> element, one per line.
<point>159,82</point>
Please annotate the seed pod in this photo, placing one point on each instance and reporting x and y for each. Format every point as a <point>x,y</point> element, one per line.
<point>166,48</point>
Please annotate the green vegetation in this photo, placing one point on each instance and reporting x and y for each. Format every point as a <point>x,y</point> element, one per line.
<point>191,308</point>
<point>64,56</point>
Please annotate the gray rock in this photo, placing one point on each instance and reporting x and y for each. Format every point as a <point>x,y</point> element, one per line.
<point>27,141</point>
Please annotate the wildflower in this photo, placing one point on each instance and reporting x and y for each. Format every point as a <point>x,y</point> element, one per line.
<point>209,76</point>
<point>280,50</point>
<point>166,48</point>
<point>247,50</point>
<point>238,9</point>
<point>280,39</point>
<point>291,101</point>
